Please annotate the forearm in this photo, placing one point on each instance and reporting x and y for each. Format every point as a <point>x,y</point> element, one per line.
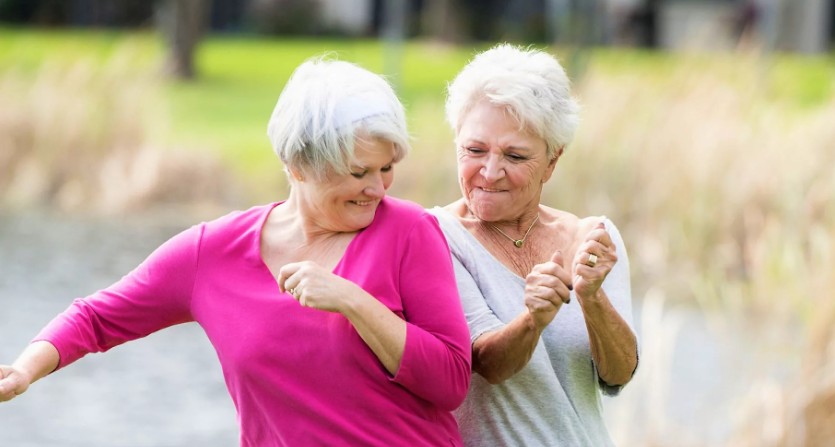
<point>498,355</point>
<point>614,346</point>
<point>37,360</point>
<point>380,329</point>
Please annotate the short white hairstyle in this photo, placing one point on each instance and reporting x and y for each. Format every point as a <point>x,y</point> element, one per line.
<point>325,106</point>
<point>529,83</point>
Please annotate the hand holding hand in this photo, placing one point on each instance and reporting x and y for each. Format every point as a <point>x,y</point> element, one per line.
<point>12,383</point>
<point>315,287</point>
<point>593,261</point>
<point>547,287</point>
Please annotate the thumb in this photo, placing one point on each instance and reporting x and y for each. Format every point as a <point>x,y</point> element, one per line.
<point>556,258</point>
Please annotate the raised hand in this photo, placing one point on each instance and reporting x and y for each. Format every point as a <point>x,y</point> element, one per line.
<point>593,261</point>
<point>547,287</point>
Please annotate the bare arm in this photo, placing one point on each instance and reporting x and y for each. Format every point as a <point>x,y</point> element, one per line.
<point>614,346</point>
<point>382,330</point>
<point>499,354</point>
<point>36,361</point>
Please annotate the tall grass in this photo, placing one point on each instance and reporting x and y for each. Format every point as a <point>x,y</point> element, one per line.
<point>78,135</point>
<point>718,169</point>
<point>724,190</point>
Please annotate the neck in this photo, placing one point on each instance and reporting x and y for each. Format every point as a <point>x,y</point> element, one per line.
<point>516,226</point>
<point>300,223</point>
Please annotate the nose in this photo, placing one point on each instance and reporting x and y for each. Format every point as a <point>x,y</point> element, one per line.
<point>493,169</point>
<point>375,188</point>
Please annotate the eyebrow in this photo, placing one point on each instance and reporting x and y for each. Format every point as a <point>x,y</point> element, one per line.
<point>357,166</point>
<point>512,146</point>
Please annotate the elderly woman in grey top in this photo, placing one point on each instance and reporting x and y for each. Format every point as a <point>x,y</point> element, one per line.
<point>546,293</point>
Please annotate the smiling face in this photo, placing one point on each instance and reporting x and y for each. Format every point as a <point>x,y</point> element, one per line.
<point>501,169</point>
<point>347,202</point>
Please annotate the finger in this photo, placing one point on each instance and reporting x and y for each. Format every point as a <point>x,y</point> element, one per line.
<point>538,304</point>
<point>7,385</point>
<point>284,273</point>
<point>600,235</point>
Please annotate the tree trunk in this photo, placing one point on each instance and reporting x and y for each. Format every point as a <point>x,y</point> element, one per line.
<point>181,23</point>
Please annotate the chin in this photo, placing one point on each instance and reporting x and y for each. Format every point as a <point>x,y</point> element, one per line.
<point>360,222</point>
<point>486,211</point>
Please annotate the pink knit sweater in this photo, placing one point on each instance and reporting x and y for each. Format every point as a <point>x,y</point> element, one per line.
<point>300,376</point>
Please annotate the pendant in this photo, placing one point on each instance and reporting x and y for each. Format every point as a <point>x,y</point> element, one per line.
<point>518,243</point>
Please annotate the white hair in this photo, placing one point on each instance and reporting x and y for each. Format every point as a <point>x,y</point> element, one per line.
<point>530,84</point>
<point>325,106</point>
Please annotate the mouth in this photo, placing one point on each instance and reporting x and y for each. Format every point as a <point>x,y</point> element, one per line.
<point>363,202</point>
<point>490,189</point>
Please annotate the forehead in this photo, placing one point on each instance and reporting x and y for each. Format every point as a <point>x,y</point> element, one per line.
<point>489,123</point>
<point>372,152</point>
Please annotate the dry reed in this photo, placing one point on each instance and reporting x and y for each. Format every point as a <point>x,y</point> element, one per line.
<point>726,198</point>
<point>79,137</point>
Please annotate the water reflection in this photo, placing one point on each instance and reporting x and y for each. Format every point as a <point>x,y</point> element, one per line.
<point>164,390</point>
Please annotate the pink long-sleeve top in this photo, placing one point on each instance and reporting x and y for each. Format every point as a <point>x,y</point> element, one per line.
<point>300,376</point>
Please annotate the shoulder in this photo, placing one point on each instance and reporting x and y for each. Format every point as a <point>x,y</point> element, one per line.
<point>572,224</point>
<point>240,219</point>
<point>400,218</point>
<point>392,207</point>
<point>236,227</point>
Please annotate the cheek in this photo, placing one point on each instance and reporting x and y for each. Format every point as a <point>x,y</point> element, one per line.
<point>467,169</point>
<point>388,178</point>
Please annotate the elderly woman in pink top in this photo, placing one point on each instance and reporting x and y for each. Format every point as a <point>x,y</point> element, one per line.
<point>334,313</point>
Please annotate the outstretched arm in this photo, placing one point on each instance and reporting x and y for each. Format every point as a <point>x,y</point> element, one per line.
<point>36,361</point>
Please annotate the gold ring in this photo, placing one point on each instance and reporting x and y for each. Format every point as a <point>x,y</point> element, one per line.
<point>291,291</point>
<point>592,260</point>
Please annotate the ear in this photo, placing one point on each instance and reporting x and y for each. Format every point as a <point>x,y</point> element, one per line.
<point>296,174</point>
<point>552,164</point>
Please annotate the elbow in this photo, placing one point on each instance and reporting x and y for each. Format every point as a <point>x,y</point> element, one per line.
<point>493,375</point>
<point>616,380</point>
<point>455,395</point>
<point>618,377</point>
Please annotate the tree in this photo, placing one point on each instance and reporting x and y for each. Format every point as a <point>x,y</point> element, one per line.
<point>182,23</point>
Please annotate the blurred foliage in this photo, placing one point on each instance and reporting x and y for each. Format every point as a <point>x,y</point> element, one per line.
<point>715,121</point>
<point>717,168</point>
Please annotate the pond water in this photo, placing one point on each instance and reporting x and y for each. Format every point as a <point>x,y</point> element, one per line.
<point>167,390</point>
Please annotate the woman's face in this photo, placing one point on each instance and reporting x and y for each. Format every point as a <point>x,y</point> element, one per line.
<point>347,202</point>
<point>501,169</point>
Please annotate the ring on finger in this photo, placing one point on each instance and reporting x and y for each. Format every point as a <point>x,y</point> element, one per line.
<point>592,260</point>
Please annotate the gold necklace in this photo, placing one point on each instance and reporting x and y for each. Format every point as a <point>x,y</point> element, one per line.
<point>518,242</point>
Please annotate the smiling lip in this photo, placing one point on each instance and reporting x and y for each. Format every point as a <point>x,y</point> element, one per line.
<point>363,202</point>
<point>491,190</point>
